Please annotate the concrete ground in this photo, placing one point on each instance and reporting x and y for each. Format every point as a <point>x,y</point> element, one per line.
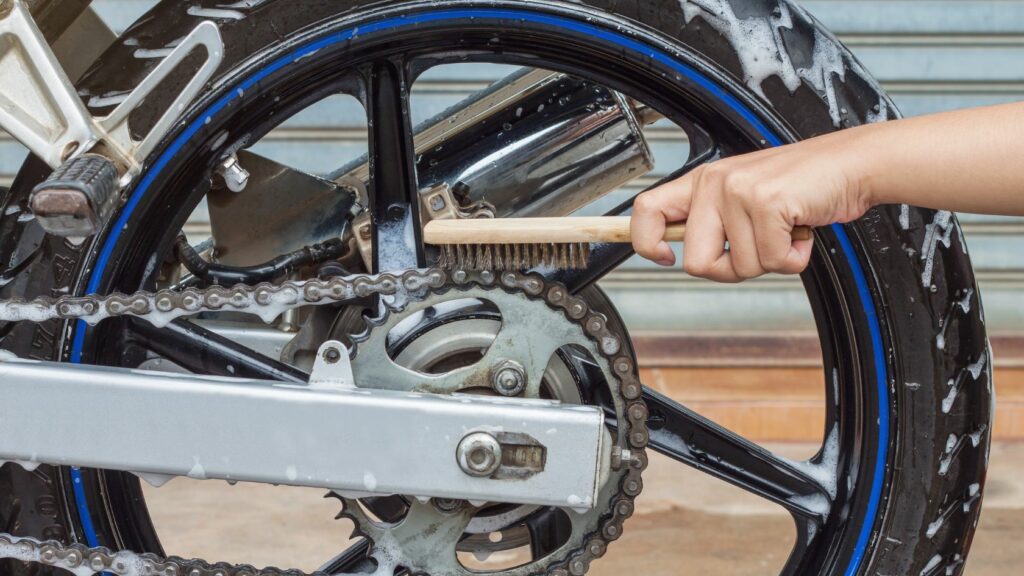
<point>686,523</point>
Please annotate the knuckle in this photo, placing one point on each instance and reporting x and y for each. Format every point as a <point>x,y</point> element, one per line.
<point>734,184</point>
<point>763,193</point>
<point>645,203</point>
<point>708,178</point>
<point>699,267</point>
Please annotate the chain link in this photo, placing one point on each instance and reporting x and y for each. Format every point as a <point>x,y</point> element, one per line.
<point>268,301</point>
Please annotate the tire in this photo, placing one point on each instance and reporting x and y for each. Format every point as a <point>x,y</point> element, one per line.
<point>923,308</point>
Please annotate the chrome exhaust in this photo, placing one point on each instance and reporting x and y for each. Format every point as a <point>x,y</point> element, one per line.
<point>536,143</point>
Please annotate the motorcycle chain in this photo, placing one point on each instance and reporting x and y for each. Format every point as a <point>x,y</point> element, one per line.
<point>265,300</point>
<point>269,300</point>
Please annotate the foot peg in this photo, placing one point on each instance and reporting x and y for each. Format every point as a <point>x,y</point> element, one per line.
<point>77,198</point>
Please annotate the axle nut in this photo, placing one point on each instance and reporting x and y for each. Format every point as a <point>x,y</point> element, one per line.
<point>508,378</point>
<point>479,454</point>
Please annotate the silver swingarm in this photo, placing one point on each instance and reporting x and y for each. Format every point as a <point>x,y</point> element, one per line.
<point>327,434</point>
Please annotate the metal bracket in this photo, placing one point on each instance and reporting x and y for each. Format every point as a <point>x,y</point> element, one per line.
<point>207,35</point>
<point>332,369</point>
<point>40,107</point>
<point>436,203</point>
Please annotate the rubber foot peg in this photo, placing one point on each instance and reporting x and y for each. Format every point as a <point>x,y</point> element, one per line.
<point>77,198</point>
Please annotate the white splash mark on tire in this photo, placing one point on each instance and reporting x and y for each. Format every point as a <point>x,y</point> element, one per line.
<point>931,565</point>
<point>933,528</point>
<point>757,41</point>
<point>953,445</point>
<point>762,53</point>
<point>905,217</point>
<point>880,113</point>
<point>955,384</point>
<point>242,4</point>
<point>976,368</point>
<point>965,302</point>
<point>940,231</point>
<point>827,65</point>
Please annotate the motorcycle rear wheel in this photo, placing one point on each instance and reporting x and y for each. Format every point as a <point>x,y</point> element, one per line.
<point>883,289</point>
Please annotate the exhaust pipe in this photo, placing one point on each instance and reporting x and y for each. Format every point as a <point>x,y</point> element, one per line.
<point>536,143</point>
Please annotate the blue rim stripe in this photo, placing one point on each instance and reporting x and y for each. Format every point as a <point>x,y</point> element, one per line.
<point>882,380</point>
<point>392,24</point>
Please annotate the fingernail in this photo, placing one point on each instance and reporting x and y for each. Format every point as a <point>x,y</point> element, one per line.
<point>665,261</point>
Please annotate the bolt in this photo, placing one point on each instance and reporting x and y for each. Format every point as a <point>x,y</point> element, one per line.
<point>437,202</point>
<point>620,457</point>
<point>332,355</point>
<point>365,232</point>
<point>479,454</point>
<point>69,150</point>
<point>397,211</point>
<point>234,175</point>
<point>508,378</point>
<point>447,505</point>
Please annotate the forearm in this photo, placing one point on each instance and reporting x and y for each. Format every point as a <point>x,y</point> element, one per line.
<point>968,161</point>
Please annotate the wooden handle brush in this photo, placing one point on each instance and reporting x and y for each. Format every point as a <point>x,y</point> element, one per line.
<point>524,243</point>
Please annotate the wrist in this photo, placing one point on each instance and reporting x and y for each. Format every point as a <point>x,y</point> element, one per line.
<point>864,167</point>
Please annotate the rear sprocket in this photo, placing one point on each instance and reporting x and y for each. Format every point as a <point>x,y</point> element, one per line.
<point>540,323</point>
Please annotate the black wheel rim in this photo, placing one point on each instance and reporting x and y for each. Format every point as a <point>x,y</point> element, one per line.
<point>840,295</point>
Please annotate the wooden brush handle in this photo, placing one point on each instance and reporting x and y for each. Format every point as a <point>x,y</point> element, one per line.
<point>547,231</point>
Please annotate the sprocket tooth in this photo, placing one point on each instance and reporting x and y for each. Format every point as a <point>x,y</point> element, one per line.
<point>364,526</point>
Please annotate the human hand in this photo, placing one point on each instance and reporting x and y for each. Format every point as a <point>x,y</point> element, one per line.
<point>753,202</point>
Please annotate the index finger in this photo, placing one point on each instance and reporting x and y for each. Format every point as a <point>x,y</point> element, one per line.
<point>652,211</point>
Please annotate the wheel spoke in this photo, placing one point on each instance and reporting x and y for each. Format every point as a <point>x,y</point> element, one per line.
<point>202,351</point>
<point>549,529</point>
<point>806,531</point>
<point>393,187</point>
<point>606,257</point>
<point>684,435</point>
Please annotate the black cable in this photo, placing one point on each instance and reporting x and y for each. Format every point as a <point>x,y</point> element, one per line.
<point>210,273</point>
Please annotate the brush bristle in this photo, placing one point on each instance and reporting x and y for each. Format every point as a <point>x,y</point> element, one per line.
<point>514,257</point>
